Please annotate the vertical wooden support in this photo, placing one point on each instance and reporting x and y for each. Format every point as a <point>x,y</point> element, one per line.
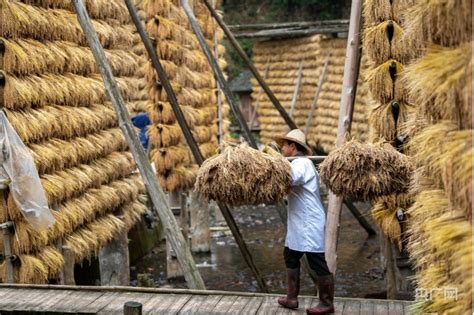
<point>345,114</point>
<point>157,196</point>
<point>296,93</point>
<point>132,308</point>
<point>5,227</point>
<point>220,119</point>
<point>114,261</point>
<point>67,271</point>
<point>259,96</point>
<point>173,269</point>
<point>322,77</point>
<point>200,233</point>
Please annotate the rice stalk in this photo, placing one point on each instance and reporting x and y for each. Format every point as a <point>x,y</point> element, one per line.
<point>386,219</point>
<point>32,270</point>
<point>445,23</point>
<point>439,84</point>
<point>366,171</point>
<point>162,135</point>
<point>383,124</point>
<point>376,11</point>
<point>382,85</point>
<point>169,158</point>
<point>53,261</point>
<point>443,150</point>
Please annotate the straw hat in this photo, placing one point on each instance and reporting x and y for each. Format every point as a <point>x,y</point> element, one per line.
<point>296,136</point>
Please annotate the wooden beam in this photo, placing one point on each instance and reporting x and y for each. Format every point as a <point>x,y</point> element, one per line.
<point>322,77</point>
<point>345,114</point>
<point>180,246</point>
<point>218,74</point>
<point>296,93</point>
<point>291,124</point>
<point>292,32</point>
<point>359,217</point>
<point>267,26</point>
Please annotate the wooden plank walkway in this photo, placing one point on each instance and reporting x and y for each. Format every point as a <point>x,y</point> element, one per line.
<point>15,298</point>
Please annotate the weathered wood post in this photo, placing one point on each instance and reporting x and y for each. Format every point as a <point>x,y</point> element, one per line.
<point>179,244</point>
<point>114,261</point>
<point>296,93</point>
<point>322,77</point>
<point>173,269</point>
<point>199,231</point>
<point>132,308</point>
<point>345,114</point>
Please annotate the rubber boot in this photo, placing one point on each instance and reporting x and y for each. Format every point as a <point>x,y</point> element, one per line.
<point>291,298</point>
<point>326,296</point>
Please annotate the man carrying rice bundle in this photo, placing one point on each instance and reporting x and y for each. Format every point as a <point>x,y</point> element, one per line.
<point>306,225</point>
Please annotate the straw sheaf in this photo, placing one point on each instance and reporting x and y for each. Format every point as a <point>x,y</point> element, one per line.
<point>377,11</point>
<point>97,9</point>
<point>53,261</point>
<point>440,237</point>
<point>366,171</point>
<point>383,88</point>
<point>76,212</point>
<point>55,154</point>
<point>242,175</point>
<point>162,135</point>
<point>168,158</point>
<point>71,182</point>
<point>386,219</point>
<point>383,124</point>
<point>440,84</point>
<point>159,7</point>
<point>26,21</point>
<point>178,178</point>
<point>32,57</point>
<point>32,270</point>
<point>446,23</point>
<point>380,47</point>
<point>93,203</point>
<point>443,150</point>
<point>34,125</point>
<point>68,89</point>
<point>86,241</point>
<point>132,214</point>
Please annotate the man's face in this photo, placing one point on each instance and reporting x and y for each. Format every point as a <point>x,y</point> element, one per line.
<point>288,149</point>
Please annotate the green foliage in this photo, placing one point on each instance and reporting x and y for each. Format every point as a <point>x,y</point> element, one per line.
<point>235,64</point>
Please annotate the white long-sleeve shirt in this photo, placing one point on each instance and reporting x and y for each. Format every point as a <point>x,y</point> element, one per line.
<point>306,216</point>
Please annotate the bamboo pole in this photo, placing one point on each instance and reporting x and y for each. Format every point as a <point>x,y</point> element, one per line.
<point>218,92</point>
<point>218,73</point>
<point>179,244</point>
<point>309,120</point>
<point>259,96</point>
<point>267,26</point>
<point>296,93</point>
<point>191,141</point>
<point>345,113</point>
<point>250,65</point>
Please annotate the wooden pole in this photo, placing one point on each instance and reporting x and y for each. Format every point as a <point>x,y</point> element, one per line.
<point>250,65</point>
<point>267,26</point>
<point>218,92</point>
<point>259,96</point>
<point>322,77</point>
<point>132,308</point>
<point>190,139</point>
<point>345,112</point>
<point>296,93</point>
<point>359,217</point>
<point>218,74</point>
<point>179,244</point>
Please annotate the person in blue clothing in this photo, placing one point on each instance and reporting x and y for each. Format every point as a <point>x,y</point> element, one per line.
<point>142,121</point>
<point>306,226</point>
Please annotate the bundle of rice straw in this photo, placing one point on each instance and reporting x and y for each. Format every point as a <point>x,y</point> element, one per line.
<point>365,171</point>
<point>244,176</point>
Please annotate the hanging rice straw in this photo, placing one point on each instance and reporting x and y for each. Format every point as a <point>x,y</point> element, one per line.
<point>361,171</point>
<point>242,175</point>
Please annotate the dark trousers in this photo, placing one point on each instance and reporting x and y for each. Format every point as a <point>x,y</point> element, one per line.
<point>317,261</point>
